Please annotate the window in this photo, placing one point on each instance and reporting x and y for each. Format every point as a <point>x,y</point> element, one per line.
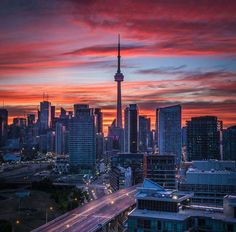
<point>143,223</point>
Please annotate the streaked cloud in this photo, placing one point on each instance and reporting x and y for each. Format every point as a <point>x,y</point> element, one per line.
<point>68,49</point>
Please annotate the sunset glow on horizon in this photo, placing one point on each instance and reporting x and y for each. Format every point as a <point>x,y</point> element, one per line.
<point>179,52</point>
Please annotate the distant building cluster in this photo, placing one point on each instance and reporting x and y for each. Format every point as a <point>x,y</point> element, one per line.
<point>78,134</point>
<point>134,150</point>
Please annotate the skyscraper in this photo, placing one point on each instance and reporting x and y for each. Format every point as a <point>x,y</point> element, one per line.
<point>45,115</point>
<point>78,108</point>
<point>99,133</point>
<point>131,129</point>
<point>149,135</point>
<point>98,120</point>
<point>157,127</point>
<point>82,142</point>
<point>169,136</point>
<point>144,133</point>
<point>3,126</point>
<point>126,129</point>
<point>53,113</point>
<point>30,119</point>
<point>50,141</point>
<point>60,139</point>
<point>119,77</point>
<point>229,143</point>
<point>63,113</point>
<point>203,138</point>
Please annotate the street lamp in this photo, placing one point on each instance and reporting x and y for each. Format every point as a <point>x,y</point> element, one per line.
<point>46,216</point>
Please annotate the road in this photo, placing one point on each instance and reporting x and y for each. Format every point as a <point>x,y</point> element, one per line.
<point>88,217</point>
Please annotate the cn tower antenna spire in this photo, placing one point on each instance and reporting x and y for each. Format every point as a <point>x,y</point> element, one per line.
<point>118,68</point>
<point>119,77</point>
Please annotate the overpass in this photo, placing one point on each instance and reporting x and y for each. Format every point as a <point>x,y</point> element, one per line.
<point>104,214</point>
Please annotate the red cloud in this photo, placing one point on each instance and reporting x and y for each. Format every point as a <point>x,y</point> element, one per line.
<point>79,34</point>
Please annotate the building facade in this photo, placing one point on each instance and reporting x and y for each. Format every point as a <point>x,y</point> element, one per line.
<point>161,169</point>
<point>210,181</point>
<point>98,120</point>
<point>126,160</point>
<point>82,139</point>
<point>60,139</point>
<point>132,128</point>
<point>3,126</point>
<point>45,115</point>
<point>229,143</point>
<point>144,133</point>
<point>169,135</point>
<point>203,138</point>
<point>30,120</point>
<point>166,211</point>
<point>120,178</point>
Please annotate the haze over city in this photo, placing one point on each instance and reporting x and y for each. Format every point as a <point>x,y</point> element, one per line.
<point>180,52</point>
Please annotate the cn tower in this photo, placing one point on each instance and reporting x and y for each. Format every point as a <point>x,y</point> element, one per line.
<point>119,77</point>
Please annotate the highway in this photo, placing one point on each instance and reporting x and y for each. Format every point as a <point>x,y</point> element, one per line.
<point>89,217</point>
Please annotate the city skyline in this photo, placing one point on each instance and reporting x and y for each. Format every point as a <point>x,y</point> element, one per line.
<point>186,59</point>
<point>117,115</point>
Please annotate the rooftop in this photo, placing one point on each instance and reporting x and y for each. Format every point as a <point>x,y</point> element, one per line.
<point>212,177</point>
<point>182,214</point>
<point>213,172</point>
<point>153,191</point>
<point>148,184</point>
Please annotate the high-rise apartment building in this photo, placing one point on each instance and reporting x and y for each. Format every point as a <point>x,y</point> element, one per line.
<point>169,131</point>
<point>126,129</point>
<point>82,139</point>
<point>144,133</point>
<point>45,115</point>
<point>132,128</point>
<point>60,139</point>
<point>53,115</point>
<point>203,138</point>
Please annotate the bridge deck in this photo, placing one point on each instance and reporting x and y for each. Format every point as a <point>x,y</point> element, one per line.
<point>88,217</point>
